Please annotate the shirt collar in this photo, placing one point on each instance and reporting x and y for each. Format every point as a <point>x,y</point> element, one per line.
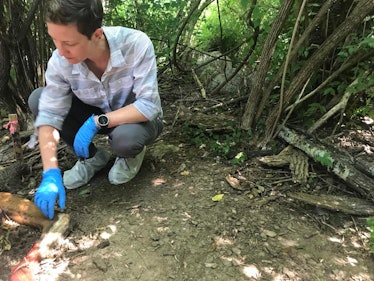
<point>114,42</point>
<point>80,68</point>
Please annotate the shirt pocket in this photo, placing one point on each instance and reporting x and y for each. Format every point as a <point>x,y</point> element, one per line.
<point>94,96</point>
<point>123,85</point>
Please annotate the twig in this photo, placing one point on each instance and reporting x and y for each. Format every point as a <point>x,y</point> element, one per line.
<point>338,107</point>
<point>202,90</point>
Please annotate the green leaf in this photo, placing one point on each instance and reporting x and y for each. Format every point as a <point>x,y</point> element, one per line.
<point>325,159</point>
<point>244,3</point>
<point>217,197</point>
<point>85,192</point>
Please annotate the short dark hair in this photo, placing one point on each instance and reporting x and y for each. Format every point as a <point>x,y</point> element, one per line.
<point>86,14</point>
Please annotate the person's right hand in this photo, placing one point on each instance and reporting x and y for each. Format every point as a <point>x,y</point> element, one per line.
<point>49,190</point>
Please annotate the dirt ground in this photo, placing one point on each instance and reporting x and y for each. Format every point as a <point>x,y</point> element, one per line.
<point>169,224</point>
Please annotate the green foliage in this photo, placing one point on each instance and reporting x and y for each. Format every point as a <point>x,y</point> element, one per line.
<point>227,28</point>
<point>239,158</point>
<point>363,94</point>
<point>359,80</point>
<point>370,224</point>
<point>159,19</point>
<point>230,22</point>
<point>222,145</point>
<point>313,109</point>
<point>325,159</point>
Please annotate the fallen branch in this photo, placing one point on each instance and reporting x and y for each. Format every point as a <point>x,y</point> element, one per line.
<point>339,164</point>
<point>340,106</point>
<point>201,87</point>
<point>294,158</point>
<point>345,204</point>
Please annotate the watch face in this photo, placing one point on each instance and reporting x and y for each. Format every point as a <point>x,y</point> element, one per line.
<point>103,121</point>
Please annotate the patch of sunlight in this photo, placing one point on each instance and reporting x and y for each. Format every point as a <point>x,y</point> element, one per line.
<point>86,242</point>
<point>269,270</point>
<point>50,270</point>
<point>352,261</point>
<point>251,271</point>
<point>348,261</point>
<point>109,231</point>
<point>338,275</point>
<point>187,216</point>
<point>287,243</point>
<point>222,242</point>
<point>158,182</point>
<point>162,229</point>
<point>361,276</point>
<point>357,242</point>
<point>178,184</point>
<point>279,277</point>
<point>160,219</point>
<point>50,239</point>
<point>234,260</point>
<point>336,240</point>
<point>340,261</point>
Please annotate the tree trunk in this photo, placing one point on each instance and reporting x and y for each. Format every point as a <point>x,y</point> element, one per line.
<point>362,9</point>
<point>18,37</point>
<point>5,63</point>
<point>293,56</point>
<point>265,60</point>
<point>194,7</point>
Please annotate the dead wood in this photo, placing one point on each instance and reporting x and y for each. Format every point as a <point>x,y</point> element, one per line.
<point>53,238</point>
<point>365,166</point>
<point>201,86</point>
<point>339,164</point>
<point>294,158</point>
<point>345,204</point>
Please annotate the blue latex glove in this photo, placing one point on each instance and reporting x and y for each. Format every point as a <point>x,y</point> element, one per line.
<point>84,137</point>
<point>49,190</point>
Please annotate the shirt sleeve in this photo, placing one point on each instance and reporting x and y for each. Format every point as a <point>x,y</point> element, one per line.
<point>145,80</point>
<point>55,100</point>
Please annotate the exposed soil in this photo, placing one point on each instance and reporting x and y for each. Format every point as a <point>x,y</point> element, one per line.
<point>164,225</point>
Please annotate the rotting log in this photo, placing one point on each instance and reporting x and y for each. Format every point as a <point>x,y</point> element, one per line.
<point>339,164</point>
<point>294,158</point>
<point>348,205</point>
<point>365,166</point>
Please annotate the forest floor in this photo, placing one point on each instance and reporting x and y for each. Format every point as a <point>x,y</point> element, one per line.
<point>165,225</point>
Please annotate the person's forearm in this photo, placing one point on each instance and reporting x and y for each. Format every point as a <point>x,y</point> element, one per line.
<point>127,114</point>
<point>48,142</point>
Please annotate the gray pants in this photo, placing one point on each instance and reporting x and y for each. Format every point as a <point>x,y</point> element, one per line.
<point>126,140</point>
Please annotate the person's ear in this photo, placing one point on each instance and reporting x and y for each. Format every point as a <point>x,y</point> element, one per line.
<point>98,33</point>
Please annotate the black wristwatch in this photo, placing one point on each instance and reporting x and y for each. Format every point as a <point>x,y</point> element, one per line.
<point>103,121</point>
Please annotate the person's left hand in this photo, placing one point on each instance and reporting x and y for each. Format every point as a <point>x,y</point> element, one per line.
<point>84,137</point>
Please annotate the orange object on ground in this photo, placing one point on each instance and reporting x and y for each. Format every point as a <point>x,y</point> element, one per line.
<point>26,269</point>
<point>23,211</point>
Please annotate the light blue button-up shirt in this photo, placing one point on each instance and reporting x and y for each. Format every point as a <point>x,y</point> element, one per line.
<point>131,69</point>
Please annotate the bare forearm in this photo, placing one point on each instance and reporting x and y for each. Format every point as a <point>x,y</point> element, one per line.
<point>48,142</point>
<point>127,114</point>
